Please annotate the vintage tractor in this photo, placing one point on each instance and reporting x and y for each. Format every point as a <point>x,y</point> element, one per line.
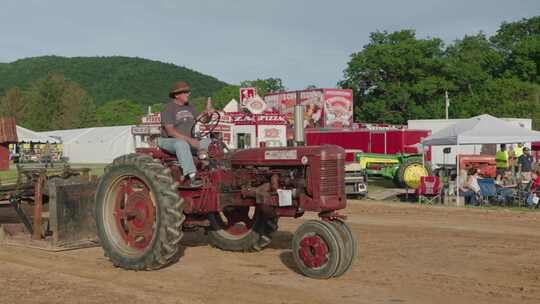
<point>143,205</point>
<point>404,170</point>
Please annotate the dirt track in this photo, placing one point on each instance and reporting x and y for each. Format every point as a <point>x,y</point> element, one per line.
<point>408,254</point>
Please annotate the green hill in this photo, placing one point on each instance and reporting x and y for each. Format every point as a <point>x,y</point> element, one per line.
<point>109,78</point>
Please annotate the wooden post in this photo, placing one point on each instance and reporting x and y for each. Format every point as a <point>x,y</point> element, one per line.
<point>38,206</point>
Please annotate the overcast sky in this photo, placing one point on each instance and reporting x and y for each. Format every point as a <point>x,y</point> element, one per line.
<point>302,42</point>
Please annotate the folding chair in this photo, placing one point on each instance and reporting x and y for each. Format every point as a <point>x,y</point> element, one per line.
<point>429,189</point>
<point>488,191</point>
<point>523,191</point>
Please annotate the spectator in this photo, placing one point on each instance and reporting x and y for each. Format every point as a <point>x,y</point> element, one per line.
<point>518,150</point>
<point>471,190</point>
<point>525,164</point>
<point>501,159</point>
<point>532,197</point>
<point>535,180</point>
<point>506,184</point>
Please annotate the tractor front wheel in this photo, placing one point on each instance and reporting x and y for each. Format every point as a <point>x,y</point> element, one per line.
<point>350,248</point>
<point>139,213</point>
<point>319,250</point>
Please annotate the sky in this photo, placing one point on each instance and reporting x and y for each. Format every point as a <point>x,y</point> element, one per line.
<point>302,42</point>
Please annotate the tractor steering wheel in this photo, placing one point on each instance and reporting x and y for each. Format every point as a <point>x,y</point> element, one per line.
<point>208,122</point>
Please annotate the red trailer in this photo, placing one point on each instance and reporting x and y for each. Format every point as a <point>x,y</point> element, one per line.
<point>391,141</point>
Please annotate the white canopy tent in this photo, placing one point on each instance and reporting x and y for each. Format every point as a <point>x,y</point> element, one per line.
<point>95,145</point>
<point>482,129</point>
<point>26,135</point>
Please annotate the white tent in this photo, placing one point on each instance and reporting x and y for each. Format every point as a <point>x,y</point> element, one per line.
<point>95,145</point>
<point>232,106</point>
<point>438,158</point>
<point>482,129</point>
<point>26,135</point>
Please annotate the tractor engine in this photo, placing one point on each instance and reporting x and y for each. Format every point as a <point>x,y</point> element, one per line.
<point>299,178</point>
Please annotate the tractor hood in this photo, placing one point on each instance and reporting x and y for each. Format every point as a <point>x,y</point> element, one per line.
<point>286,155</point>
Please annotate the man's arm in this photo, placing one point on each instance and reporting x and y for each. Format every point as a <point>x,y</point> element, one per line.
<point>171,131</point>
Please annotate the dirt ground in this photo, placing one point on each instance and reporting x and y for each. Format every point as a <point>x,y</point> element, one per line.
<point>408,254</point>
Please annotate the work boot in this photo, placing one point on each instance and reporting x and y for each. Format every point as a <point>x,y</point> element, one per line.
<point>195,183</point>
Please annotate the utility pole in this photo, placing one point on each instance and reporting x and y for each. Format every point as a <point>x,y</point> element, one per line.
<point>446,103</point>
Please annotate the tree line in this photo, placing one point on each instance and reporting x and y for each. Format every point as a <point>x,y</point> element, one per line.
<point>397,76</point>
<point>56,103</point>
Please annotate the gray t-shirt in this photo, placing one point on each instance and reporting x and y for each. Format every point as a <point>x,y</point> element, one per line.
<point>181,117</point>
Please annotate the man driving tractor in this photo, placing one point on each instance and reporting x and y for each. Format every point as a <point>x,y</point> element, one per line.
<point>177,120</point>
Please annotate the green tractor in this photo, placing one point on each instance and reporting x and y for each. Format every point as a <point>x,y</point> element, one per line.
<point>404,169</point>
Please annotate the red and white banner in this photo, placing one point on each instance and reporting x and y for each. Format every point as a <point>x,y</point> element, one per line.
<point>245,94</point>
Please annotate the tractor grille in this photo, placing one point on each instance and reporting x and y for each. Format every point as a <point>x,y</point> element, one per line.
<point>330,175</point>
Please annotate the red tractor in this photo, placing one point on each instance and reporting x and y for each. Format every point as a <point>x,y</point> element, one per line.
<point>143,206</point>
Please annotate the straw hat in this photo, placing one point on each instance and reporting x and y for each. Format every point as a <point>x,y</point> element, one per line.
<point>179,87</point>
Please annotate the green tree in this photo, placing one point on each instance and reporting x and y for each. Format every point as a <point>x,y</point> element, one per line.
<point>223,96</point>
<point>519,42</point>
<point>53,103</point>
<point>511,34</point>
<point>12,104</point>
<point>470,62</point>
<point>397,77</point>
<point>119,113</point>
<point>157,107</point>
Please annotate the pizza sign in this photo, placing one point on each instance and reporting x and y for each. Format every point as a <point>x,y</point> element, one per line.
<point>271,133</point>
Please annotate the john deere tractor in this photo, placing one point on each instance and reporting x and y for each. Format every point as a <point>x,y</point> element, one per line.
<point>404,169</point>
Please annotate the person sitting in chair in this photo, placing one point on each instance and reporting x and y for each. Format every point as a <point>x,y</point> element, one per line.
<point>532,190</point>
<point>177,120</point>
<point>506,185</point>
<point>471,190</point>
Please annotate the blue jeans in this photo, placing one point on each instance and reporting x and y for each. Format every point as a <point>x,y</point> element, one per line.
<point>470,197</point>
<point>183,151</point>
<point>506,193</point>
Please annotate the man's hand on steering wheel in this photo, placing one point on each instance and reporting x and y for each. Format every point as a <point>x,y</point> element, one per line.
<point>208,120</point>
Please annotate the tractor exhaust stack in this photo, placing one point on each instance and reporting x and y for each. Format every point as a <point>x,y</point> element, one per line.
<point>299,136</point>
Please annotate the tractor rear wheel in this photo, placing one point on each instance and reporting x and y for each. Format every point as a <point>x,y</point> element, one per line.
<point>241,228</point>
<point>139,213</point>
<point>318,249</point>
<point>410,171</point>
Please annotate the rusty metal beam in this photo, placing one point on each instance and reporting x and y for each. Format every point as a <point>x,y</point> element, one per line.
<point>38,207</point>
<point>20,213</point>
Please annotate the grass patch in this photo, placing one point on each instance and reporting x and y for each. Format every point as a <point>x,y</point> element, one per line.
<point>10,175</point>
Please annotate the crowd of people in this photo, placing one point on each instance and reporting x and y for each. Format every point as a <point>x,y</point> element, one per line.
<point>517,179</point>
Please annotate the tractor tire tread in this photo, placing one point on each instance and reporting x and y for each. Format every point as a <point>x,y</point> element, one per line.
<point>165,245</point>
